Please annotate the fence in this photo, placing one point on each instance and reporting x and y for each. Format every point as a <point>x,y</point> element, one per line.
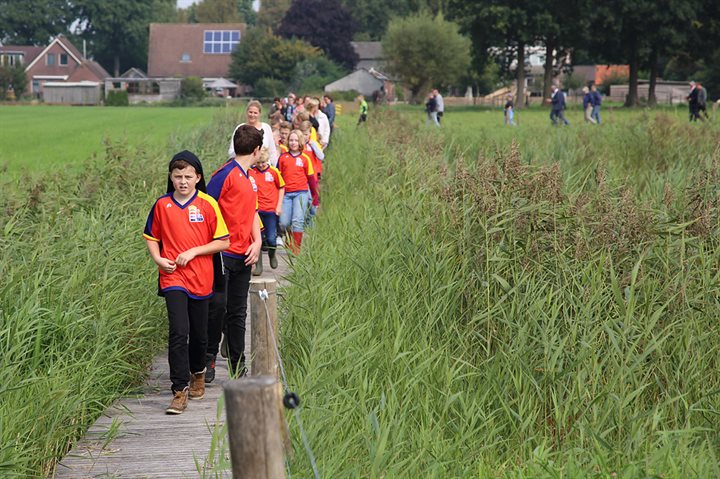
<point>257,428</point>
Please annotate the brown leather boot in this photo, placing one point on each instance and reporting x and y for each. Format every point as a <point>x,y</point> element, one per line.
<point>179,402</point>
<point>197,385</point>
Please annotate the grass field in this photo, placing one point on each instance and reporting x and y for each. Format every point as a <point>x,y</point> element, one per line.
<point>476,301</point>
<point>33,138</point>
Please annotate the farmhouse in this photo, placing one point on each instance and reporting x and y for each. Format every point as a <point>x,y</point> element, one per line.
<point>59,62</point>
<point>197,49</point>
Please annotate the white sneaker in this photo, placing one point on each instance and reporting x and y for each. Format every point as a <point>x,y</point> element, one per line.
<point>279,242</point>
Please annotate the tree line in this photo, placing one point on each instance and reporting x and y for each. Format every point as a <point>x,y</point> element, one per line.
<point>672,39</point>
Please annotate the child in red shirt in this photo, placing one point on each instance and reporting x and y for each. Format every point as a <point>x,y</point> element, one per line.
<point>271,190</point>
<point>297,171</point>
<point>184,229</point>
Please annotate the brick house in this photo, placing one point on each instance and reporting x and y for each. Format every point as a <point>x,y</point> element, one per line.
<point>192,49</point>
<point>60,61</point>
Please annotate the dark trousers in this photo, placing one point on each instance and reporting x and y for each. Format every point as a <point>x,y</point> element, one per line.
<point>230,308</point>
<point>557,115</point>
<point>187,340</point>
<point>270,223</point>
<point>440,115</point>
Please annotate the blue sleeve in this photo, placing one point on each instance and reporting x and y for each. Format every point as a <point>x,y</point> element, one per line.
<point>217,181</point>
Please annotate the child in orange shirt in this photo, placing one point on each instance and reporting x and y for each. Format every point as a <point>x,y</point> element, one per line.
<point>271,190</point>
<point>184,229</point>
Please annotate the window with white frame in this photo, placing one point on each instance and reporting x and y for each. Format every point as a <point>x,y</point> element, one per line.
<point>220,41</point>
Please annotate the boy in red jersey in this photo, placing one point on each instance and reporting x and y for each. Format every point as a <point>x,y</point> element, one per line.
<point>271,190</point>
<point>184,228</point>
<point>297,170</point>
<point>236,193</point>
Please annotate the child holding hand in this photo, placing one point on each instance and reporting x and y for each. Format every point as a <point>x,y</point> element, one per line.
<point>270,191</point>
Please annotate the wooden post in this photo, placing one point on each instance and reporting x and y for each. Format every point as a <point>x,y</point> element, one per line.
<point>264,356</point>
<point>256,448</point>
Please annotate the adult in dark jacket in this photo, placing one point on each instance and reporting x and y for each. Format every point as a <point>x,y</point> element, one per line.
<point>431,110</point>
<point>558,105</point>
<point>694,102</point>
<point>588,105</point>
<point>329,110</point>
<point>596,102</point>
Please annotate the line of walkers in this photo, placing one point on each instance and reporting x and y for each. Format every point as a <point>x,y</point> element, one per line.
<point>205,239</point>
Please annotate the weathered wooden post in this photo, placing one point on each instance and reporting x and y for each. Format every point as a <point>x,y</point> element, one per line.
<point>256,447</point>
<point>262,346</point>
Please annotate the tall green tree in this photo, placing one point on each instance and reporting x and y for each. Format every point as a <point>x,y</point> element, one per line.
<point>271,13</point>
<point>325,24</point>
<point>218,11</point>
<point>503,28</point>
<point>373,16</point>
<point>425,50</point>
<point>261,54</point>
<point>118,30</point>
<point>34,22</point>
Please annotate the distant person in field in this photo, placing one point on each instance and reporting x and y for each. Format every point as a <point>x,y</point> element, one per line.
<point>557,101</point>
<point>694,102</point>
<point>236,193</point>
<point>270,190</point>
<point>596,102</point>
<point>702,102</point>
<point>329,110</point>
<point>439,105</point>
<point>588,105</point>
<point>431,110</point>
<point>289,110</point>
<point>252,115</point>
<point>509,110</point>
<point>184,229</point>
<point>363,109</point>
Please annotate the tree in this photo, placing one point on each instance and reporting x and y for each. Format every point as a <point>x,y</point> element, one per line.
<point>217,11</point>
<point>262,54</point>
<point>12,77</point>
<point>325,24</point>
<point>272,13</point>
<point>372,16</point>
<point>34,22</point>
<point>118,30</point>
<point>504,28</point>
<point>424,50</point>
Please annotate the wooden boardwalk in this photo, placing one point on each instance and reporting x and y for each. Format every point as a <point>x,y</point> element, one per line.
<point>134,438</point>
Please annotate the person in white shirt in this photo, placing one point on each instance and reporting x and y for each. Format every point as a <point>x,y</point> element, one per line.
<point>323,130</point>
<point>252,114</point>
<point>439,105</point>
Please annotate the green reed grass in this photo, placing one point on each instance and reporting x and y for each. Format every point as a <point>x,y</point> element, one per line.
<point>465,311</point>
<point>79,320</point>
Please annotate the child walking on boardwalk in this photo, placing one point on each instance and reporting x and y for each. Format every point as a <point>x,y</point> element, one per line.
<point>271,190</point>
<point>184,228</point>
<point>297,171</point>
<point>236,193</point>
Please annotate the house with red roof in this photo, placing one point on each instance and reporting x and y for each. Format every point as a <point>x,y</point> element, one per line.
<point>58,62</point>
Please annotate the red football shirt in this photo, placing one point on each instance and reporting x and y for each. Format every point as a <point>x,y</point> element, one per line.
<point>295,170</point>
<point>236,193</point>
<point>268,181</point>
<point>181,227</point>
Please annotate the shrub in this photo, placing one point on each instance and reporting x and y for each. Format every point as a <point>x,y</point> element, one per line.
<point>117,98</point>
<point>269,88</point>
<point>192,89</point>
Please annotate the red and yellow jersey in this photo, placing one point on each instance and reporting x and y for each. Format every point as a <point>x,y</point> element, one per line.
<point>268,181</point>
<point>295,170</point>
<point>317,164</point>
<point>236,193</point>
<point>283,148</point>
<point>180,227</point>
<point>314,135</point>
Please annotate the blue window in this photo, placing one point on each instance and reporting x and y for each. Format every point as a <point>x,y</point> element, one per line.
<point>51,59</point>
<point>220,41</point>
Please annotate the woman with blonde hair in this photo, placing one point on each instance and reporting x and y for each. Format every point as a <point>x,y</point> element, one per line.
<point>252,114</point>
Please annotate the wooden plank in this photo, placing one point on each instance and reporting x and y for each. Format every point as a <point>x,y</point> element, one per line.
<point>147,443</point>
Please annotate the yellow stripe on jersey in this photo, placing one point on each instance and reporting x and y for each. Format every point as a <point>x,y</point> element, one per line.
<point>279,175</point>
<point>310,170</point>
<point>221,230</point>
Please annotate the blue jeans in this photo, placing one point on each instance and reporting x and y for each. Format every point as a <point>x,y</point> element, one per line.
<point>556,115</point>
<point>596,113</point>
<point>270,222</point>
<point>293,210</point>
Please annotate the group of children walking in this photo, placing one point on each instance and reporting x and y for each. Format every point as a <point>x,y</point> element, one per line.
<point>206,239</point>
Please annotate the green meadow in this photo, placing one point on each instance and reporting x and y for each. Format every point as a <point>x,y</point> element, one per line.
<point>472,301</point>
<point>35,137</point>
